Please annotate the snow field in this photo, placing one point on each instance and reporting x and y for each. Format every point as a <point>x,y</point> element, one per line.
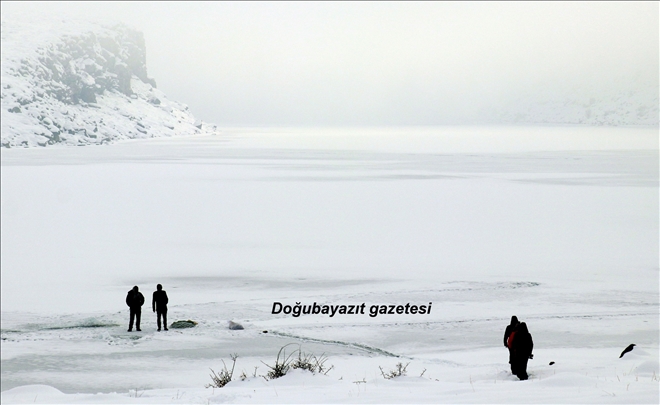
<point>563,234</point>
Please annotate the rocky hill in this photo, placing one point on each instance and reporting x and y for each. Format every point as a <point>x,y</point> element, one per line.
<point>81,83</point>
<point>630,101</point>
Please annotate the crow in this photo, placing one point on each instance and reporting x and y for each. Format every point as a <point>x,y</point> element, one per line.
<point>627,349</point>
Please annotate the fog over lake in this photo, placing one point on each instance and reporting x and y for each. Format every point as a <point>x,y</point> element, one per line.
<point>384,63</point>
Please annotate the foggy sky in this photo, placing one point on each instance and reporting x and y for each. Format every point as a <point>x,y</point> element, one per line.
<point>382,63</point>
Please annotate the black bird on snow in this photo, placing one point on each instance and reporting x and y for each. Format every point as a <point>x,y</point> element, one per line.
<point>627,349</point>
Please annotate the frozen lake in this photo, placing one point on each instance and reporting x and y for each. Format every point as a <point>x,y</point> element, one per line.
<point>557,225</point>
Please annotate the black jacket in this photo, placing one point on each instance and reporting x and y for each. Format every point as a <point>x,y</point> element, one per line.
<point>134,299</point>
<point>522,344</point>
<point>159,301</point>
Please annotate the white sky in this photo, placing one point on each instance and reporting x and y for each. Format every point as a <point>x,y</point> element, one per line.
<point>382,63</point>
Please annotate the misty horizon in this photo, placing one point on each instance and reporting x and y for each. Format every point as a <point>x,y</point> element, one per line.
<point>386,64</point>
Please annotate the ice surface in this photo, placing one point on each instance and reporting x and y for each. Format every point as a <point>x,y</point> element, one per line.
<point>557,225</point>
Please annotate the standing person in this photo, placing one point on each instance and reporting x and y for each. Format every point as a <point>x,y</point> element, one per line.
<point>521,350</point>
<point>159,305</point>
<point>507,334</point>
<point>135,300</point>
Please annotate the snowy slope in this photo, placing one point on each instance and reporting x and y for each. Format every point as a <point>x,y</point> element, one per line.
<point>629,102</point>
<point>79,83</point>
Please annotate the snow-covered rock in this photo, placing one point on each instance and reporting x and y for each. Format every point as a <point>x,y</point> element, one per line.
<point>76,82</point>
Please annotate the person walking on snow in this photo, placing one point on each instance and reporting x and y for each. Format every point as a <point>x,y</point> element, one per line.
<point>521,347</point>
<point>507,334</point>
<point>135,300</point>
<point>159,305</point>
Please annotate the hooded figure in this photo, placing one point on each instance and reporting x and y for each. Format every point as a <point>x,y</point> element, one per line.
<point>135,300</point>
<point>510,328</point>
<point>507,333</point>
<point>159,305</point>
<point>521,347</point>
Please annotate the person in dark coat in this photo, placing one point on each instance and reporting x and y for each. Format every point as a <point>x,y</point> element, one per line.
<point>521,350</point>
<point>135,300</point>
<point>159,305</point>
<point>507,333</point>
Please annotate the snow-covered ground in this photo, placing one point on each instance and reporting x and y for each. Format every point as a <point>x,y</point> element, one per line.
<point>557,225</point>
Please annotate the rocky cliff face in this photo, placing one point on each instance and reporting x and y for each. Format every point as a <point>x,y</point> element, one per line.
<point>80,83</point>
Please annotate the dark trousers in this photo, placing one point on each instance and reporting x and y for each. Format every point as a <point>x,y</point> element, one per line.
<point>136,313</point>
<point>162,313</point>
<point>513,367</point>
<point>519,366</point>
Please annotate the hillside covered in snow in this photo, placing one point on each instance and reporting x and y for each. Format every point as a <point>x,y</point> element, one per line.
<point>79,83</point>
<point>630,101</point>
